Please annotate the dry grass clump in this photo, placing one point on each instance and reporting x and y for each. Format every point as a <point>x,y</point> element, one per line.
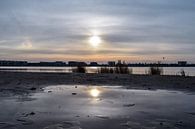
<point>79,69</point>
<point>116,70</point>
<point>155,71</point>
<point>183,73</point>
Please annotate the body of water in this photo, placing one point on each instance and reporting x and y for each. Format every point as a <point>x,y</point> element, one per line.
<point>98,107</point>
<point>190,71</point>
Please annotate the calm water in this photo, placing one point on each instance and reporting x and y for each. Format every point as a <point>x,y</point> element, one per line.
<point>93,107</point>
<point>136,70</point>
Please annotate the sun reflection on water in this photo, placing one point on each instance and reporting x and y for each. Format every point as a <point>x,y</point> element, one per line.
<point>94,92</point>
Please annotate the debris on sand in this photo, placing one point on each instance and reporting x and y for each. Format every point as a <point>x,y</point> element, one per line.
<point>49,91</point>
<point>74,93</point>
<point>129,105</point>
<point>33,88</point>
<point>41,89</point>
<point>28,114</point>
<point>180,124</point>
<point>103,117</point>
<point>32,113</point>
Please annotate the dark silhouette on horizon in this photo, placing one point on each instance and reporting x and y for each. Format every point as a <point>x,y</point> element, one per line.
<point>92,64</point>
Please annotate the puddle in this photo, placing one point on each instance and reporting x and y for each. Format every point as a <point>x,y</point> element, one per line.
<point>86,107</point>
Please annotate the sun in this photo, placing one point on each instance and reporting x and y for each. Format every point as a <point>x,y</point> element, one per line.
<point>95,41</point>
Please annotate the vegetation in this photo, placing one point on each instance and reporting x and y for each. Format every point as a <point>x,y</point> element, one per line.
<point>183,73</point>
<point>79,69</point>
<point>116,69</point>
<point>155,71</point>
<point>123,70</point>
<point>105,70</point>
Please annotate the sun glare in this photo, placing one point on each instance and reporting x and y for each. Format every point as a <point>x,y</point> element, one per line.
<point>95,41</point>
<point>94,92</point>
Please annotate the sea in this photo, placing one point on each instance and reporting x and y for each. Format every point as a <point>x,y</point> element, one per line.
<point>189,71</point>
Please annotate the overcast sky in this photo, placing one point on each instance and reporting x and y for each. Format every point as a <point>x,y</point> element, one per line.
<point>132,30</point>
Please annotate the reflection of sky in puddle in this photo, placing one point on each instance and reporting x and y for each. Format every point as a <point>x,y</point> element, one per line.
<point>94,92</point>
<point>93,102</point>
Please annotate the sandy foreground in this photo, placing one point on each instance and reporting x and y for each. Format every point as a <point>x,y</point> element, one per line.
<point>71,101</point>
<point>19,82</point>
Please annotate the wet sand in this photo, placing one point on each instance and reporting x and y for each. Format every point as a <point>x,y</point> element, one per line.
<point>63,101</point>
<point>21,82</point>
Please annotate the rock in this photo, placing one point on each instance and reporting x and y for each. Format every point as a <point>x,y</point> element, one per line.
<point>32,113</point>
<point>129,105</point>
<point>74,93</point>
<point>33,88</point>
<point>28,114</point>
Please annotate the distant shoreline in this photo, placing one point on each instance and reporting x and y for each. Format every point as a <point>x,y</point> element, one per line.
<point>103,66</point>
<point>189,71</point>
<point>21,82</point>
<point>12,63</point>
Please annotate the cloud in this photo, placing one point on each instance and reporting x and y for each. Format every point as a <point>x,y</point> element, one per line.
<point>63,27</point>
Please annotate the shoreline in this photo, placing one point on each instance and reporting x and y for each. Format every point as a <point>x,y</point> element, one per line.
<point>25,104</point>
<point>27,82</point>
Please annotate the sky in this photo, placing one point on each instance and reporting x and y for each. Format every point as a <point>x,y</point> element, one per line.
<point>131,30</point>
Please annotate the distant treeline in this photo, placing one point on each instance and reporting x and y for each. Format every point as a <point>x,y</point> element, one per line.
<point>92,64</point>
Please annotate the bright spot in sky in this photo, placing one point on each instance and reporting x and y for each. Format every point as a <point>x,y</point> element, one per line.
<point>26,44</point>
<point>95,41</point>
<point>94,92</point>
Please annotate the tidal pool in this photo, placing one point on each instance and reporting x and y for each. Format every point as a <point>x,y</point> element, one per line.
<point>98,107</point>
